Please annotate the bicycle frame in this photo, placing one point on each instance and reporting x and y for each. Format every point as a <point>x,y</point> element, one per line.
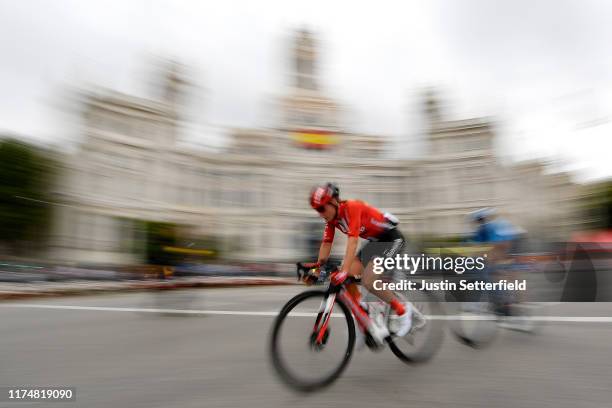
<point>350,310</point>
<point>327,307</point>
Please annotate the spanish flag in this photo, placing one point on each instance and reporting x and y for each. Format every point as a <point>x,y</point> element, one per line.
<point>315,139</point>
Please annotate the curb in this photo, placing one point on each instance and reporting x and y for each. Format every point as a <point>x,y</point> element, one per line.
<point>89,288</point>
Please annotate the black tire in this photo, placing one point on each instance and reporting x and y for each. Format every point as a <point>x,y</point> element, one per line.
<point>431,340</point>
<point>281,367</point>
<point>478,327</point>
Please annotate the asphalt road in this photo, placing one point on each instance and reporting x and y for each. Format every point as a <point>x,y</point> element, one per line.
<point>123,356</point>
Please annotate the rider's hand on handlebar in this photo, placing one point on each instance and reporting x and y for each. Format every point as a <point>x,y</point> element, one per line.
<point>308,272</point>
<point>311,265</point>
<point>312,276</point>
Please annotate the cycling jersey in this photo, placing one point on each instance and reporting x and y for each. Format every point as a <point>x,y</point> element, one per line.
<point>496,231</point>
<point>358,219</point>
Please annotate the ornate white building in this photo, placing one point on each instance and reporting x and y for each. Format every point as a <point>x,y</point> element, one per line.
<point>253,196</point>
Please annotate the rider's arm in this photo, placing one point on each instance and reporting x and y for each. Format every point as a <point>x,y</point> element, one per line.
<point>349,255</point>
<point>324,252</point>
<point>354,216</point>
<point>479,236</point>
<point>500,236</point>
<point>500,250</point>
<point>326,245</point>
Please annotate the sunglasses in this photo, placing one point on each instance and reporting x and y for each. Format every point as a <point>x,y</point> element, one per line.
<point>320,209</point>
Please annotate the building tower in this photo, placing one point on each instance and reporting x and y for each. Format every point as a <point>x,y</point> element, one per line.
<point>432,107</point>
<point>173,86</point>
<point>310,116</point>
<point>305,60</point>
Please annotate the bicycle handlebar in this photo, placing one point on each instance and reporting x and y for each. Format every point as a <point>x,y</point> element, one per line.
<point>327,269</point>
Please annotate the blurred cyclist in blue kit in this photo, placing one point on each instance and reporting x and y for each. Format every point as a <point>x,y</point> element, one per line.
<point>501,236</point>
<point>497,232</point>
<point>491,229</point>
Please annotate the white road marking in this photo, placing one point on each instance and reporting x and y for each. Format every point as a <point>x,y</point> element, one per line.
<point>564,319</point>
<point>144,310</point>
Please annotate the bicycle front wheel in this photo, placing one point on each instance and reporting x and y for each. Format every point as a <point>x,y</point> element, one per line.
<point>301,361</point>
<point>473,323</point>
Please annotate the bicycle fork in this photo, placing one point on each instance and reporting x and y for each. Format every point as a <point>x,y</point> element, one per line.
<point>365,323</point>
<point>325,312</point>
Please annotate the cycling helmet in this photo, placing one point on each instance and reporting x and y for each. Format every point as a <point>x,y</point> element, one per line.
<point>335,190</point>
<point>481,214</point>
<point>321,195</point>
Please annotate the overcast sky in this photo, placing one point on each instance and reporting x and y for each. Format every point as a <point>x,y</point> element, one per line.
<point>542,69</point>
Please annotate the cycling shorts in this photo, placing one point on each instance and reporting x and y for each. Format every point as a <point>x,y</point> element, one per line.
<point>387,245</point>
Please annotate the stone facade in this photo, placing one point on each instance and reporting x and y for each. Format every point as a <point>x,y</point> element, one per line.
<point>253,196</point>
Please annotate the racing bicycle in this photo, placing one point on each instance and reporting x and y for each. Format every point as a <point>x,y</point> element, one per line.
<point>314,335</point>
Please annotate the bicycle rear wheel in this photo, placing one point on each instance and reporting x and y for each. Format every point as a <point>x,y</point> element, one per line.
<point>300,361</point>
<point>420,345</point>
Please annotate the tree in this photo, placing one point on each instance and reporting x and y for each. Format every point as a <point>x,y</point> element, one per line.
<point>26,174</point>
<point>159,236</point>
<point>597,205</point>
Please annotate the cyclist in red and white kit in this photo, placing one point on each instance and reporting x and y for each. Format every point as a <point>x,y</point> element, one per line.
<point>357,219</point>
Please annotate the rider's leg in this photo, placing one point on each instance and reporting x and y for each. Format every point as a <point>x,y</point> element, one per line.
<point>353,290</point>
<point>368,278</point>
<point>388,247</point>
<point>355,270</point>
<point>403,312</point>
